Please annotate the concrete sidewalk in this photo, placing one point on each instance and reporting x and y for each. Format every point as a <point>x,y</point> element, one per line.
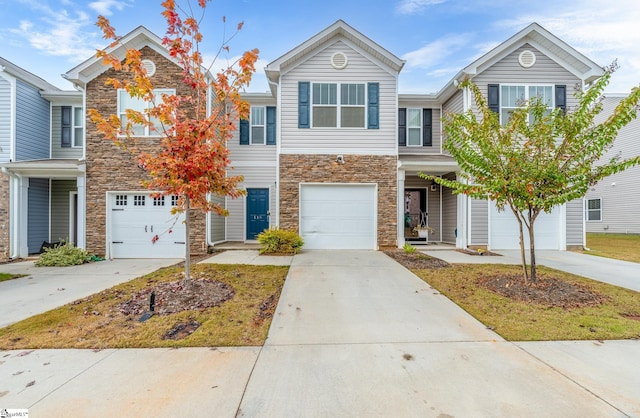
<point>46,288</point>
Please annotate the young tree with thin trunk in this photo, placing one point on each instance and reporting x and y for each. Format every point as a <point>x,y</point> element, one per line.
<point>540,158</point>
<point>191,157</point>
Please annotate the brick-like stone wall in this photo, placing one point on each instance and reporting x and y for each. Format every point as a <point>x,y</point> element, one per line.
<point>110,168</point>
<point>4,217</point>
<point>309,168</point>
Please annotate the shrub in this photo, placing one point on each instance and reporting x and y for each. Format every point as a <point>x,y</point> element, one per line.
<point>408,248</point>
<point>280,241</point>
<point>63,255</point>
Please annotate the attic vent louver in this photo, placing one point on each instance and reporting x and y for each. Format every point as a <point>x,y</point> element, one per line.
<point>149,66</point>
<point>339,60</point>
<point>527,58</point>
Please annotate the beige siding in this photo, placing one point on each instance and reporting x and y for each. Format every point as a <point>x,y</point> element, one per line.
<point>455,104</point>
<point>217,222</point>
<point>479,222</point>
<point>334,140</point>
<point>449,215</point>
<point>545,71</point>
<point>574,225</point>
<point>56,136</point>
<point>620,193</point>
<point>60,209</point>
<point>254,177</point>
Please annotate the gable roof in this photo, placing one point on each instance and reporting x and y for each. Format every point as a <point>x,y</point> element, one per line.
<point>24,75</point>
<point>339,28</point>
<point>543,40</point>
<point>137,38</point>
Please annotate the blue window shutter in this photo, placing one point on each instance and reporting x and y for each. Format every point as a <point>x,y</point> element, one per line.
<point>271,125</point>
<point>65,140</point>
<point>561,97</point>
<point>402,127</point>
<point>426,128</point>
<point>304,103</point>
<point>244,132</point>
<point>493,97</point>
<point>373,108</point>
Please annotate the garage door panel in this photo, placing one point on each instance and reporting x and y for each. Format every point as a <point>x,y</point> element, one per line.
<point>338,216</point>
<point>505,231</point>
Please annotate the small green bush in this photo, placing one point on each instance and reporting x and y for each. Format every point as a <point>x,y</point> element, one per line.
<point>63,255</point>
<point>280,241</point>
<point>408,248</point>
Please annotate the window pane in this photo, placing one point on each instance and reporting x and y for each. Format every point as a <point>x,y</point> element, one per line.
<point>324,93</point>
<point>414,118</point>
<point>512,96</point>
<point>77,137</point>
<point>594,215</point>
<point>138,130</point>
<point>128,102</point>
<point>77,116</point>
<point>257,135</point>
<point>413,136</point>
<point>352,94</point>
<point>324,117</point>
<point>257,116</point>
<point>543,92</point>
<point>594,203</point>
<point>352,117</point>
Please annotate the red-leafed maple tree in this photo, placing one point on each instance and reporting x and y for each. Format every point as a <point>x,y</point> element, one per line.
<point>191,158</point>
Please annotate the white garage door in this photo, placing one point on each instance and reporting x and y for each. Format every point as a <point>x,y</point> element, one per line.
<point>505,234</point>
<point>143,227</point>
<point>338,216</point>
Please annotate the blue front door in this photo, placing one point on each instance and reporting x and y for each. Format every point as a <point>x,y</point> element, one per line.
<point>257,211</point>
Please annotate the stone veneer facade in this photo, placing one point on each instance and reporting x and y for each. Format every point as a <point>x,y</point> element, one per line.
<point>4,217</point>
<point>310,168</point>
<point>110,168</point>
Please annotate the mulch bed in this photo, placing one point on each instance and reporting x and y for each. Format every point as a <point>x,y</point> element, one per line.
<point>176,296</point>
<point>547,291</point>
<point>415,261</point>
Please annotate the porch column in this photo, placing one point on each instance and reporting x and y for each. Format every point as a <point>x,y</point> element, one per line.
<point>401,176</point>
<point>81,214</point>
<point>22,215</point>
<point>462,213</point>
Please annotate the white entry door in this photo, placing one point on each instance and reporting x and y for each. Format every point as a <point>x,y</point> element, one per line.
<point>143,227</point>
<point>338,216</point>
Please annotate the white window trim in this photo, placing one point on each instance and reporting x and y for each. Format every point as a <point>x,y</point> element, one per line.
<point>587,210</point>
<point>74,126</point>
<point>526,95</point>
<point>158,93</point>
<point>264,126</point>
<point>419,144</point>
<point>338,106</point>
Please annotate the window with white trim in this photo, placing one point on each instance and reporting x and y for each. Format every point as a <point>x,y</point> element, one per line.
<point>513,96</point>
<point>125,101</point>
<point>258,125</point>
<point>414,127</point>
<point>593,208</point>
<point>338,105</point>
<point>78,126</point>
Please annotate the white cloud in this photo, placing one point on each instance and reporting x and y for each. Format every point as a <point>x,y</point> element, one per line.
<point>416,6</point>
<point>433,53</point>
<point>104,7</point>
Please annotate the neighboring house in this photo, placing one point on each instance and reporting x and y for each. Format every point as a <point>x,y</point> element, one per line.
<point>41,154</point>
<point>332,151</point>
<point>613,205</point>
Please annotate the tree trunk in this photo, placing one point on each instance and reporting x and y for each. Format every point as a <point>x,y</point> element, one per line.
<point>187,251</point>
<point>522,252</point>
<point>532,246</point>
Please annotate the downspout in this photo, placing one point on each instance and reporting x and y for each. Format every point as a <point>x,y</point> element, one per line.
<point>276,224</point>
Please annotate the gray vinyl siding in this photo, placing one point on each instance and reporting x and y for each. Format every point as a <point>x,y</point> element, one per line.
<point>254,177</point>
<point>545,71</point>
<point>253,153</point>
<point>60,209</point>
<point>38,214</point>
<point>32,124</point>
<point>479,222</point>
<point>449,215</point>
<point>5,120</point>
<point>574,213</point>
<point>363,141</point>
<point>435,138</point>
<point>455,104</point>
<point>620,193</point>
<point>56,138</point>
<point>217,222</point>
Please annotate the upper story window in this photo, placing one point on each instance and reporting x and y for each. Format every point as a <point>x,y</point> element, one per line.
<point>414,127</point>
<point>72,127</point>
<point>125,101</point>
<point>334,107</point>
<point>513,96</point>
<point>594,209</point>
<point>258,125</point>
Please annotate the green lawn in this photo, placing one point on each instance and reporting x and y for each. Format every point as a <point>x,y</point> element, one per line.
<point>618,246</point>
<point>9,276</point>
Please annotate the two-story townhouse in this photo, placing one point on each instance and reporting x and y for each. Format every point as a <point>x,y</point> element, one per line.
<point>613,205</point>
<point>41,154</point>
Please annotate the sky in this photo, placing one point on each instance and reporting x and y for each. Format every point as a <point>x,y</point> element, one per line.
<point>437,38</point>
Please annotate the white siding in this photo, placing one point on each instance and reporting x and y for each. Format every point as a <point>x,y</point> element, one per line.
<point>479,222</point>
<point>360,69</point>
<point>620,193</point>
<point>574,225</point>
<point>5,119</point>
